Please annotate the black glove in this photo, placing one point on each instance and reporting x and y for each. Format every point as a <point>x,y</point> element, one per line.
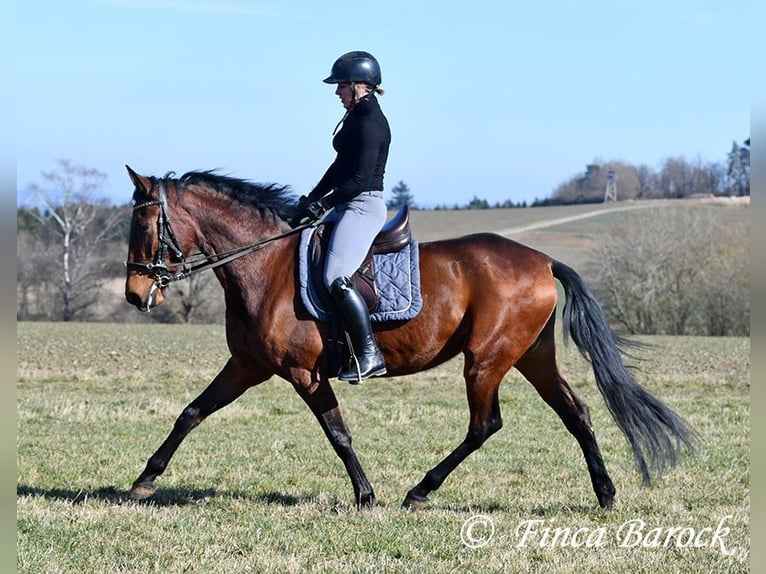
<point>317,209</point>
<point>308,211</point>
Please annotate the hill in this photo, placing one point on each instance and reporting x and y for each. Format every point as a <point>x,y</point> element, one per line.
<point>563,232</point>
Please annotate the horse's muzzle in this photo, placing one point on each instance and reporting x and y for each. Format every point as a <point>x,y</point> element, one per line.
<point>143,295</point>
<point>135,300</point>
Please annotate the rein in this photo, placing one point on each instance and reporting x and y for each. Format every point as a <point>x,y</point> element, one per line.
<point>196,263</point>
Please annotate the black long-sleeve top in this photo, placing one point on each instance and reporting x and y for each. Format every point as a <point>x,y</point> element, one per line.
<point>362,150</point>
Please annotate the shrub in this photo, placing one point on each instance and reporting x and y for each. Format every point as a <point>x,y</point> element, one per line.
<point>683,270</point>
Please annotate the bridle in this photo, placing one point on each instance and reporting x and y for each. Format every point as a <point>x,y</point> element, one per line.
<point>167,241</point>
<point>195,263</point>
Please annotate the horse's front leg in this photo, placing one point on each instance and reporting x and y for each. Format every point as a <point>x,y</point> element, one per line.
<point>227,386</point>
<point>323,403</point>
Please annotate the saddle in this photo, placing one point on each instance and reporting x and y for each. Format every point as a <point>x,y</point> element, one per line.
<point>394,236</point>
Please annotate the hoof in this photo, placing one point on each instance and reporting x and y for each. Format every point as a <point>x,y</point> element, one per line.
<point>142,490</point>
<point>606,503</point>
<point>605,496</point>
<point>415,502</point>
<point>366,502</point>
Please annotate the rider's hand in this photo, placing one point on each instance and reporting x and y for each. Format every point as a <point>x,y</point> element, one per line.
<point>317,209</point>
<point>308,212</point>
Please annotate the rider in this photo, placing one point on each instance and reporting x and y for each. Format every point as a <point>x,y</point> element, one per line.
<point>353,188</point>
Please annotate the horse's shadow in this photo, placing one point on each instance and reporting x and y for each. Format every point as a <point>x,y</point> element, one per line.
<point>168,497</point>
<point>163,497</point>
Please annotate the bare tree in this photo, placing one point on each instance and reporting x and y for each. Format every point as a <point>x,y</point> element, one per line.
<point>198,299</point>
<point>81,225</point>
<point>677,271</point>
<point>35,271</point>
<point>723,294</point>
<point>647,182</point>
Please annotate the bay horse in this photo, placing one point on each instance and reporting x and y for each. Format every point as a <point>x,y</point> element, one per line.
<point>485,296</point>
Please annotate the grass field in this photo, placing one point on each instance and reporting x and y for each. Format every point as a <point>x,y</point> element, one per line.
<point>257,488</point>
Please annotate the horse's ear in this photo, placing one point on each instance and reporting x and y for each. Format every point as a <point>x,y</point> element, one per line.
<point>139,181</point>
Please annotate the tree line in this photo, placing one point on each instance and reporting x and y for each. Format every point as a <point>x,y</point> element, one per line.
<point>676,178</point>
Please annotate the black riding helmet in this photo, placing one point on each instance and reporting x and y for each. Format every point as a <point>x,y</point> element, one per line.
<point>355,67</point>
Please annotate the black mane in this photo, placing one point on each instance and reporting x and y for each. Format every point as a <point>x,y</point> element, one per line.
<point>265,196</point>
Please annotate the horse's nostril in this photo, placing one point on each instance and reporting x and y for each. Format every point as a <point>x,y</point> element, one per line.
<point>133,299</point>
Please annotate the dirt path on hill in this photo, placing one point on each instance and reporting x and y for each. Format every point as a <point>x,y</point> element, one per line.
<point>603,209</point>
<point>561,220</point>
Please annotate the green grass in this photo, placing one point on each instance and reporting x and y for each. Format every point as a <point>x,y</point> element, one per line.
<point>257,488</point>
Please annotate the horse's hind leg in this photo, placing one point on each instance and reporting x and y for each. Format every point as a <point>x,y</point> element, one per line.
<point>482,388</point>
<point>539,367</point>
<point>227,386</point>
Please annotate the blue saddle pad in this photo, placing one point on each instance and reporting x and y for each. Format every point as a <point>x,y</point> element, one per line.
<point>397,281</point>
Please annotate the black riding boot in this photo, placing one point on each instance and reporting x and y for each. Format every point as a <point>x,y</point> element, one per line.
<point>356,319</point>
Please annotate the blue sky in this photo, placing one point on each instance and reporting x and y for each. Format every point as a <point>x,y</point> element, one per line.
<point>498,99</point>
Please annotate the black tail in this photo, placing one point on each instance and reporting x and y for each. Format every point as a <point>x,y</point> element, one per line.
<point>653,430</point>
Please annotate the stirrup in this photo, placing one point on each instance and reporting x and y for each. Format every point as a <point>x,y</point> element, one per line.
<point>355,377</point>
<point>354,374</point>
<point>345,375</point>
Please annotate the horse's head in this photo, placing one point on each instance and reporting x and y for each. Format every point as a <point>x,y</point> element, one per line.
<point>220,219</point>
<point>153,248</point>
